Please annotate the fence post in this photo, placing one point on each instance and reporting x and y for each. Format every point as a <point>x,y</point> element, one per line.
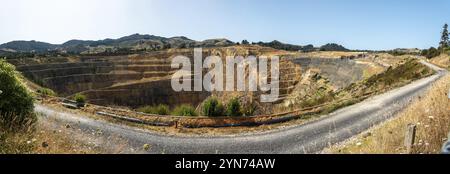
<point>410,137</point>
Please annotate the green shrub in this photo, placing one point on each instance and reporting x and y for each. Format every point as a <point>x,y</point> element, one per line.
<point>79,98</point>
<point>430,53</point>
<point>46,92</point>
<point>234,108</point>
<point>212,107</point>
<point>16,102</point>
<point>184,110</point>
<point>158,110</point>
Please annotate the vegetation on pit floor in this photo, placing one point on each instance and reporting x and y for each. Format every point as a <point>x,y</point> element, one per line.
<point>431,115</point>
<point>79,98</point>
<point>46,92</point>
<point>184,110</point>
<point>212,107</point>
<point>234,108</point>
<point>157,110</point>
<point>181,110</point>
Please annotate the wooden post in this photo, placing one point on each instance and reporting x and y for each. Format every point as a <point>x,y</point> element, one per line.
<point>410,137</point>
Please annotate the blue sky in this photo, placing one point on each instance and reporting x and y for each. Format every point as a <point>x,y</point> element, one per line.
<point>357,24</point>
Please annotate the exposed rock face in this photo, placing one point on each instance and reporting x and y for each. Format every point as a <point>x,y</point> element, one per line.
<point>290,75</point>
<point>311,86</point>
<point>70,78</point>
<point>340,72</point>
<point>144,93</point>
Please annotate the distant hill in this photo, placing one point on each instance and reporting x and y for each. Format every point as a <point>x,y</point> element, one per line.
<point>333,47</point>
<point>307,48</point>
<point>28,46</point>
<point>132,42</point>
<point>288,47</point>
<point>137,42</point>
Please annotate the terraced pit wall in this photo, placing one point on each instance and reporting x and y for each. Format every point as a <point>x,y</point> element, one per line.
<point>133,80</point>
<point>122,80</point>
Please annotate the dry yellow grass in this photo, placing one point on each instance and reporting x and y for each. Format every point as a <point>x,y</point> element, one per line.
<point>43,141</point>
<point>430,113</point>
<point>443,60</point>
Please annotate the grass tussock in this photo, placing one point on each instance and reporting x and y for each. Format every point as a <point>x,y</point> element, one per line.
<point>431,115</point>
<point>158,110</point>
<point>184,110</point>
<point>80,98</point>
<point>46,92</point>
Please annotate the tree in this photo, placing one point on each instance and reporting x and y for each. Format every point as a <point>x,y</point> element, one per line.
<point>245,42</point>
<point>444,38</point>
<point>430,53</point>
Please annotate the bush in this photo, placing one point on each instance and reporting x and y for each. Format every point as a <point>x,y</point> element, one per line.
<point>184,110</point>
<point>234,108</point>
<point>16,102</point>
<point>46,92</point>
<point>158,110</point>
<point>79,98</point>
<point>212,107</point>
<point>430,53</point>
